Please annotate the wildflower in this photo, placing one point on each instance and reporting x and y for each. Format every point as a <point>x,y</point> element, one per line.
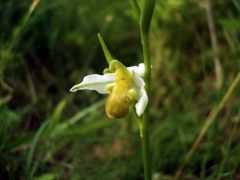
<point>123,85</point>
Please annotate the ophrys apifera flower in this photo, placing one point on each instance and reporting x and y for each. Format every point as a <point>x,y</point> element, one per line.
<point>124,87</point>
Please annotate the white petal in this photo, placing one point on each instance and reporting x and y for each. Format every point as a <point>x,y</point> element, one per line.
<point>95,82</point>
<point>138,70</point>
<point>142,96</point>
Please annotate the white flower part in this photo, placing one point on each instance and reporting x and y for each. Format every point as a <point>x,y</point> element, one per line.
<point>137,70</point>
<point>99,83</point>
<point>142,95</point>
<point>95,82</point>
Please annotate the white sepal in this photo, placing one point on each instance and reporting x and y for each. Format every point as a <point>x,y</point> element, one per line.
<point>142,95</point>
<point>95,82</point>
<point>137,70</point>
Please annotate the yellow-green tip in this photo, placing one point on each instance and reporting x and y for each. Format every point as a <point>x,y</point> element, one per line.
<point>106,52</point>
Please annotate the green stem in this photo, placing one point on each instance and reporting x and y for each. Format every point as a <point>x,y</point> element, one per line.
<point>145,118</point>
<point>145,20</point>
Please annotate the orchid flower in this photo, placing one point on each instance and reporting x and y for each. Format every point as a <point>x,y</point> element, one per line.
<point>124,87</point>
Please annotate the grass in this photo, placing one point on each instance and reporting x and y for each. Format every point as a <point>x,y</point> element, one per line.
<point>48,133</point>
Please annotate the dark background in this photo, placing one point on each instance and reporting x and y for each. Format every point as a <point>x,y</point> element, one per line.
<point>48,133</point>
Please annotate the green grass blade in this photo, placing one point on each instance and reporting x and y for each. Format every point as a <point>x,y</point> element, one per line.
<point>32,149</point>
<point>135,8</point>
<point>56,115</point>
<point>63,126</point>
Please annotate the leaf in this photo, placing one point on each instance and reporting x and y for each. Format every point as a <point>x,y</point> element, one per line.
<point>32,149</point>
<point>56,115</point>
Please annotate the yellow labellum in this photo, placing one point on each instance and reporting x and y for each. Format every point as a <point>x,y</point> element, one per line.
<point>121,93</point>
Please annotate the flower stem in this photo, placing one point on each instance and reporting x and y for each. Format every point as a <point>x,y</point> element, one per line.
<point>145,20</point>
<point>145,118</point>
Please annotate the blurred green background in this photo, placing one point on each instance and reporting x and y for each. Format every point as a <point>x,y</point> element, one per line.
<point>47,133</point>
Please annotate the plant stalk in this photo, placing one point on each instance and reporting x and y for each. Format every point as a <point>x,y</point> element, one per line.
<point>145,21</point>
<point>145,118</point>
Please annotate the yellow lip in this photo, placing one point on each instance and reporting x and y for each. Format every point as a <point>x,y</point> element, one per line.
<point>118,101</point>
